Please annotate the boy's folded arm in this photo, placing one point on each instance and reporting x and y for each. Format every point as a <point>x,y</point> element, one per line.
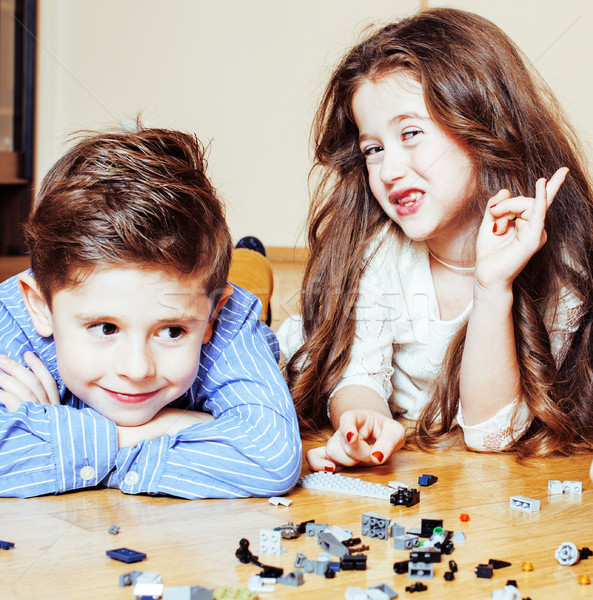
<point>250,450</point>
<point>48,449</point>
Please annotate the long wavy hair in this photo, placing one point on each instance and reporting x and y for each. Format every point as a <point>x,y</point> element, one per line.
<point>480,91</point>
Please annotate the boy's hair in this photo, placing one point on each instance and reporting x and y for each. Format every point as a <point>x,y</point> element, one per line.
<point>139,198</point>
<point>479,89</point>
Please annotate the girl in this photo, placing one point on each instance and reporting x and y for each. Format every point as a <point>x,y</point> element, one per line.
<point>448,282</point>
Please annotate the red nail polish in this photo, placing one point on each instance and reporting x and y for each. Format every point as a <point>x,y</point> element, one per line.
<point>495,228</point>
<point>494,205</point>
<point>349,436</point>
<point>378,456</point>
<point>328,469</point>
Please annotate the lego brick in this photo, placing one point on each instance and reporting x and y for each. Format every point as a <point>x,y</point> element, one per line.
<point>567,554</point>
<point>334,482</point>
<point>313,529</point>
<point>6,545</point>
<point>524,503</point>
<point>554,486</point>
<point>401,567</point>
<point>405,542</point>
<point>427,526</point>
<point>416,587</point>
<point>374,525</point>
<point>383,587</point>
<point>294,578</point>
<point>405,497</point>
<point>270,542</point>
<point>113,530</point>
<point>276,500</point>
<point>426,480</point>
<point>185,592</point>
<point>354,562</point>
<point>484,571</point>
<point>420,570</point>
<point>572,487</point>
<point>126,555</point>
<point>509,592</point>
<point>330,543</point>
<point>256,584</point>
<point>396,530</point>
<point>425,556</point>
<point>129,578</point>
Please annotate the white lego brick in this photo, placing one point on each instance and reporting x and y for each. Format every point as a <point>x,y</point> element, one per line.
<point>524,503</point>
<point>334,482</point>
<point>270,542</point>
<point>572,487</point>
<point>276,500</point>
<point>554,486</point>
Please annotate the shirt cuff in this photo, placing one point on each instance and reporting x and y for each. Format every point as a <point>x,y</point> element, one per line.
<point>499,431</point>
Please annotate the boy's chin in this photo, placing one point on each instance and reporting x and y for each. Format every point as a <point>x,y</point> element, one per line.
<point>131,420</point>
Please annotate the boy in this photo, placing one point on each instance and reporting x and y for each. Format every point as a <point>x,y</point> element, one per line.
<point>128,360</point>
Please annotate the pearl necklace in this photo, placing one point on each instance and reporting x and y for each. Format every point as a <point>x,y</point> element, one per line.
<point>452,267</point>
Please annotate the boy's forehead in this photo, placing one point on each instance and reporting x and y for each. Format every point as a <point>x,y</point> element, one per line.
<point>123,281</point>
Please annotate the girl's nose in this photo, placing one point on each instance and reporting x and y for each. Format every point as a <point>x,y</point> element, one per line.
<point>393,166</point>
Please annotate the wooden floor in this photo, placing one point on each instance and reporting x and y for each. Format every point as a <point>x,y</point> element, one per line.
<point>60,541</point>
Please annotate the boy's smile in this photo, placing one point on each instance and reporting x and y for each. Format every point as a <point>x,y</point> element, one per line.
<point>128,339</point>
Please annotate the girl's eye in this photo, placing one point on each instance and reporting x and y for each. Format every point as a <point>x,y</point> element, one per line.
<point>172,333</point>
<point>410,133</point>
<point>103,329</point>
<point>371,150</point>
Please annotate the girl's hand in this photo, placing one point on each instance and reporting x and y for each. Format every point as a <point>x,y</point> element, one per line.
<point>512,231</point>
<point>21,384</point>
<point>363,436</point>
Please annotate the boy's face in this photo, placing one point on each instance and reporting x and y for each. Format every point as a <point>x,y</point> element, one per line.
<point>128,339</point>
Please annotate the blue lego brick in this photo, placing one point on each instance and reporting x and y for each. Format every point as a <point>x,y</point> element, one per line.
<point>126,555</point>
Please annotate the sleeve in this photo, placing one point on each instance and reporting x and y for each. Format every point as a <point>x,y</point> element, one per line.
<point>48,449</point>
<point>371,357</point>
<point>508,424</point>
<point>251,448</point>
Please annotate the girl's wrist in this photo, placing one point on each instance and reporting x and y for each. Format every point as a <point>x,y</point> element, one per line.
<point>499,295</point>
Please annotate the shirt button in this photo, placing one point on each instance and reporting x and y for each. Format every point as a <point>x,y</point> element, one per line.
<point>131,478</point>
<point>87,473</point>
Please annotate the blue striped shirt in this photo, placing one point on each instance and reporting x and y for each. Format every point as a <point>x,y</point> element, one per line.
<point>251,448</point>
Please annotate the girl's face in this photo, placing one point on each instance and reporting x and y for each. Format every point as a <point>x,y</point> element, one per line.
<point>422,178</point>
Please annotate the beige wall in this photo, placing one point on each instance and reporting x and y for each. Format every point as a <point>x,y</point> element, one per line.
<point>242,74</point>
<point>246,75</point>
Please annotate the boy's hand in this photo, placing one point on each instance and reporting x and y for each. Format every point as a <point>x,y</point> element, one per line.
<point>21,384</point>
<point>364,436</point>
<point>167,421</point>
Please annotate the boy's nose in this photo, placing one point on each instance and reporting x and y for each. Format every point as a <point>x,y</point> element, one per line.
<point>135,362</point>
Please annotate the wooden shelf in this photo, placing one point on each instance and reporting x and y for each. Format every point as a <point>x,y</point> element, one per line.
<point>11,168</point>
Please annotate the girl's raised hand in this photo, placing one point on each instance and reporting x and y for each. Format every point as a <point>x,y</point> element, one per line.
<point>21,384</point>
<point>364,436</point>
<point>512,231</point>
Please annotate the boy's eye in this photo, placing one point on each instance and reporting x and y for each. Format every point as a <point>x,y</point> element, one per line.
<point>173,332</point>
<point>102,329</point>
<point>410,133</point>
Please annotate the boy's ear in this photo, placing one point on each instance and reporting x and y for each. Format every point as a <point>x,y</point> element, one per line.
<point>226,294</point>
<point>36,305</point>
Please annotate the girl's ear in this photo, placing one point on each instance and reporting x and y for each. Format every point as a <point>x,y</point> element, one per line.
<point>226,294</point>
<point>36,305</point>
